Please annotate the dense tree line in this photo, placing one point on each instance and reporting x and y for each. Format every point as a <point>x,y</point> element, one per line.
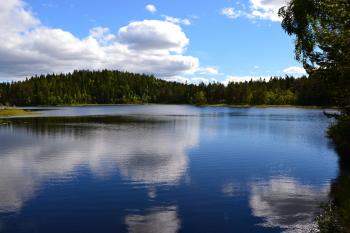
<point>115,87</point>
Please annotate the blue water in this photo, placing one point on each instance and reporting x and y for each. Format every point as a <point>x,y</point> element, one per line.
<point>164,168</point>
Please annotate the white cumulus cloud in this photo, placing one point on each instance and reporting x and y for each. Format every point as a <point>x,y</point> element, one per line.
<point>231,13</point>
<point>177,20</point>
<point>15,17</point>
<point>267,9</point>
<point>154,35</point>
<point>151,8</point>
<point>258,9</point>
<point>208,70</point>
<point>27,47</point>
<point>294,70</point>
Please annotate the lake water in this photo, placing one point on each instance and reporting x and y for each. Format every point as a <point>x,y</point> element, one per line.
<point>164,168</point>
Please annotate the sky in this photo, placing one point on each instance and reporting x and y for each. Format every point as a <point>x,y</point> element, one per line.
<point>182,40</point>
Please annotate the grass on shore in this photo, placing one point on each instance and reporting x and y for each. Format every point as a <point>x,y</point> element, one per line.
<point>14,112</point>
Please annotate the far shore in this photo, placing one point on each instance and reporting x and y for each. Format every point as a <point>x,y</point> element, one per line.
<point>203,105</point>
<point>20,111</point>
<point>198,105</point>
<point>268,106</point>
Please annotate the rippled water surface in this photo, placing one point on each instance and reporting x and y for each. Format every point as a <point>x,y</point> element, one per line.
<point>157,168</point>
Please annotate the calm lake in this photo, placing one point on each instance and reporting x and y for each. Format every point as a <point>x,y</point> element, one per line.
<point>164,168</point>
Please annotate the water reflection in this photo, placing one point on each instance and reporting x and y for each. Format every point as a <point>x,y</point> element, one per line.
<point>285,203</point>
<point>131,172</point>
<point>232,189</point>
<point>162,220</point>
<point>142,152</point>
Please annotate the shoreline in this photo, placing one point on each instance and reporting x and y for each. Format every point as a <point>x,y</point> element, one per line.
<point>12,112</point>
<point>26,111</point>
<point>204,105</point>
<point>268,106</point>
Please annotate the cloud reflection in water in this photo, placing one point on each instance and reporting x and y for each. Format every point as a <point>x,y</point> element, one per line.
<point>157,220</point>
<point>284,202</point>
<point>150,154</point>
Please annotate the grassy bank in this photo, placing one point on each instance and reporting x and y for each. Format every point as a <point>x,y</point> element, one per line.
<point>14,112</point>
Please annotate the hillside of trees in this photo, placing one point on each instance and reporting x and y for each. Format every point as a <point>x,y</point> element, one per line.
<point>115,87</point>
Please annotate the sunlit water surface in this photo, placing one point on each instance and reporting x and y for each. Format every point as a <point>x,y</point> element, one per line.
<point>163,169</point>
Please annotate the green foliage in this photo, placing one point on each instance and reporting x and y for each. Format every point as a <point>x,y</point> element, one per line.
<point>322,30</point>
<point>329,220</point>
<point>340,134</point>
<point>199,98</point>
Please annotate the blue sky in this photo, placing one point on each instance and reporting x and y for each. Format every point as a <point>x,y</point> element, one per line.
<point>176,40</point>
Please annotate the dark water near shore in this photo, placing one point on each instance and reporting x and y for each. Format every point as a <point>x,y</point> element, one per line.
<point>164,169</point>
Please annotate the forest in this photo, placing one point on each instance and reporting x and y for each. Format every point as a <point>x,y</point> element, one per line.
<point>115,87</point>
